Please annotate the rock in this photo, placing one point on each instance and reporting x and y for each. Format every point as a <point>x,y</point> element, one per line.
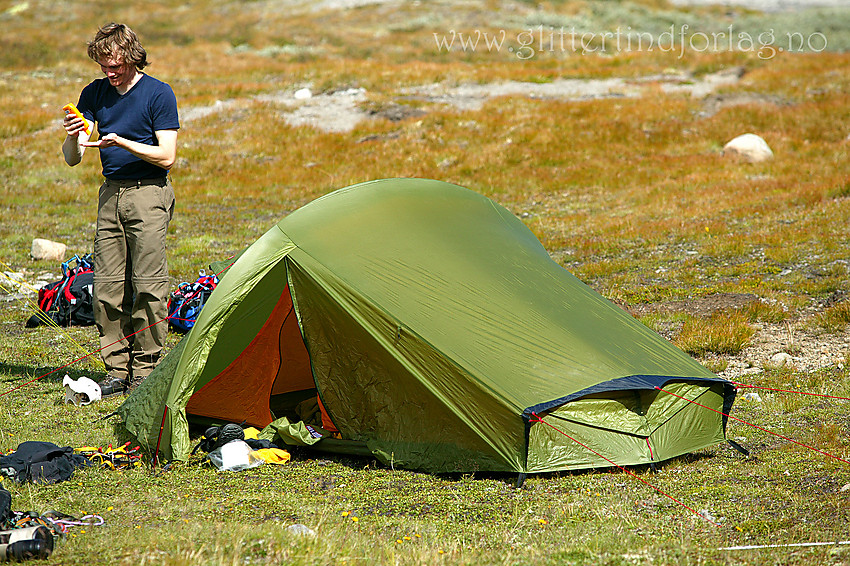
<point>447,163</point>
<point>303,94</point>
<point>748,147</point>
<point>300,530</point>
<point>781,359</point>
<point>46,249</point>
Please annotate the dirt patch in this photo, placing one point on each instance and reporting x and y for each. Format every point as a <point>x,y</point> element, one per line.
<point>340,110</point>
<point>714,103</point>
<point>701,306</point>
<point>396,112</point>
<point>767,5</point>
<point>809,348</point>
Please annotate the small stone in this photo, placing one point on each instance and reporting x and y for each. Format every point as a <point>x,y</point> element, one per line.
<point>46,249</point>
<point>447,163</point>
<point>748,147</point>
<point>706,514</point>
<point>781,359</point>
<point>303,94</point>
<point>300,530</point>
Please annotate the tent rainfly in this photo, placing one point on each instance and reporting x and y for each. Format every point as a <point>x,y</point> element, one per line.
<point>424,324</point>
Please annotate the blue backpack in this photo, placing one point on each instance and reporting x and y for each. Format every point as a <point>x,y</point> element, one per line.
<point>186,302</point>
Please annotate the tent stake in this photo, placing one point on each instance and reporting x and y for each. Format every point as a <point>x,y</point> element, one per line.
<point>520,480</point>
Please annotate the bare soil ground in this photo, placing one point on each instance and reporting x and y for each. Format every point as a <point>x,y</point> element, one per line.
<point>341,110</point>
<point>810,349</point>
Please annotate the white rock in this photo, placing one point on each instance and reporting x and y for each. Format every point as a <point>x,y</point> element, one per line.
<point>303,94</point>
<point>46,249</point>
<point>749,147</point>
<point>781,359</point>
<point>301,530</point>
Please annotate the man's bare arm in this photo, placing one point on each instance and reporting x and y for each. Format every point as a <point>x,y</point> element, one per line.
<point>72,147</point>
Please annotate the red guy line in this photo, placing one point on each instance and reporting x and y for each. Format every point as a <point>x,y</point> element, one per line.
<point>791,391</point>
<point>101,348</point>
<point>80,358</point>
<point>756,426</point>
<point>537,419</point>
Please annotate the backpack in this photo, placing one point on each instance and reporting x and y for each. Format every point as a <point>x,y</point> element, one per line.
<point>186,302</point>
<point>68,301</point>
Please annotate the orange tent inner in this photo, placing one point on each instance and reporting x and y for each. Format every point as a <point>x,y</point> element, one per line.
<point>275,362</point>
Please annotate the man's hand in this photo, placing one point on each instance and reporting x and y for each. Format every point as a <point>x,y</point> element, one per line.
<point>72,147</point>
<point>109,140</point>
<point>73,124</point>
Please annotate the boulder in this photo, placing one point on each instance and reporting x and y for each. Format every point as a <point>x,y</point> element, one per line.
<point>748,147</point>
<point>46,249</point>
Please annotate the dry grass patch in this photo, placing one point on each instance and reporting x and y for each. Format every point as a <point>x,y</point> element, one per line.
<point>721,333</point>
<point>835,318</point>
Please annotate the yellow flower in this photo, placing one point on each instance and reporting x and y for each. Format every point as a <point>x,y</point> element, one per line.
<point>355,519</point>
<point>346,513</point>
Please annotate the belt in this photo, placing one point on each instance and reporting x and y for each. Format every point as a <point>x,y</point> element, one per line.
<point>124,183</point>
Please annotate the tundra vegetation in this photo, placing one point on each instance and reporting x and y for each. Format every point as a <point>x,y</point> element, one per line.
<point>611,154</point>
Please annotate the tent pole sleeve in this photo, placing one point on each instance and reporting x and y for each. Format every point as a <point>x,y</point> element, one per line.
<point>159,438</point>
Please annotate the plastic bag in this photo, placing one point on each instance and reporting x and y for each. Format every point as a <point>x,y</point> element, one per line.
<point>235,456</point>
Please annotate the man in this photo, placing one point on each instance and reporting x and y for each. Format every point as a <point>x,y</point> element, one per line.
<point>137,120</point>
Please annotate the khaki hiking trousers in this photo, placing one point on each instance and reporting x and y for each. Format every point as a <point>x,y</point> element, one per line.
<point>131,282</point>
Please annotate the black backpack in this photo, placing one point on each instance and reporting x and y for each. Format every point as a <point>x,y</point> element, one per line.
<point>68,301</point>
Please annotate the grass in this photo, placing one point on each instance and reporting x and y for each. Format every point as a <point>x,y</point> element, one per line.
<point>722,333</point>
<point>630,194</point>
<point>835,318</point>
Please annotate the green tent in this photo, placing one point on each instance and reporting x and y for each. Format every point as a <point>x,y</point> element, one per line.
<point>422,323</point>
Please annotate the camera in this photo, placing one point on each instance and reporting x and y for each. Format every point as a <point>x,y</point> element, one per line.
<point>18,545</point>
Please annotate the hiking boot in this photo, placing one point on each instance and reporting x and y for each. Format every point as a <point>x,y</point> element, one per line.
<point>135,381</point>
<point>112,386</point>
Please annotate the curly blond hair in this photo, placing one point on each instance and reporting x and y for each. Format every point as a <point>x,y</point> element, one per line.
<point>119,41</point>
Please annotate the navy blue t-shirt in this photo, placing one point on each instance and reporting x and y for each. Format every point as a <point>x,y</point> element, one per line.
<point>136,115</point>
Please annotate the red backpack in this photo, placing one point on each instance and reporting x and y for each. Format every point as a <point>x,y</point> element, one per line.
<point>68,301</point>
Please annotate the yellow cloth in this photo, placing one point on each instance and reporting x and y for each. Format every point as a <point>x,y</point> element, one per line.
<point>273,455</point>
<point>251,433</point>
